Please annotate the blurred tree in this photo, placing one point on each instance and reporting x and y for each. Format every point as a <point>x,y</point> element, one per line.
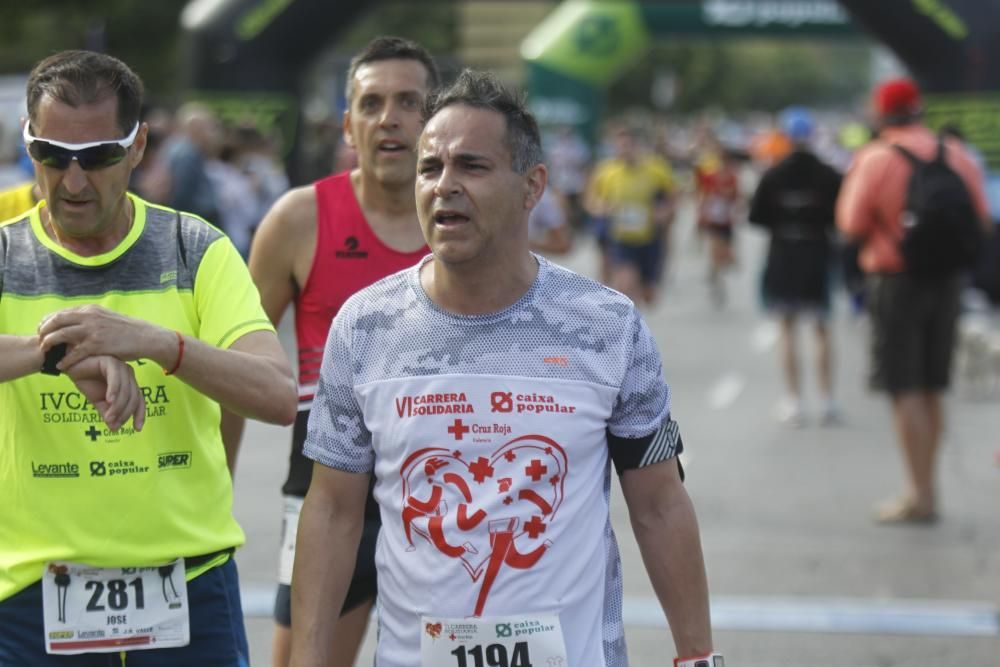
<point>143,34</point>
<point>146,35</point>
<point>433,23</point>
<point>749,74</point>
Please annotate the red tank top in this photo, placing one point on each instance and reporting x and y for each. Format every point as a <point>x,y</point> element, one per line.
<point>720,194</point>
<point>348,258</point>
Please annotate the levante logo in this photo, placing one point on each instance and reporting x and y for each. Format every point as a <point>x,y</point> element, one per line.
<point>55,469</point>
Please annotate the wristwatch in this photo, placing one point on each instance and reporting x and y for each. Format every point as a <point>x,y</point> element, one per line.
<point>710,660</point>
<point>53,356</point>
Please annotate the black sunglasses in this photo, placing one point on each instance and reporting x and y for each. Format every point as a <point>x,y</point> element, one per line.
<point>90,156</point>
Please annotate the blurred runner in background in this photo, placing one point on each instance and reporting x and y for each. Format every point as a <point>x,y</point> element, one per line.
<point>633,192</point>
<point>795,202</point>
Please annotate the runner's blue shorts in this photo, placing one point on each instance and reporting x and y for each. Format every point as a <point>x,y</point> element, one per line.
<point>646,258</point>
<point>218,637</point>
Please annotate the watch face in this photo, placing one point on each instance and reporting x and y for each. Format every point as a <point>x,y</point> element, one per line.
<point>54,355</point>
<point>718,661</point>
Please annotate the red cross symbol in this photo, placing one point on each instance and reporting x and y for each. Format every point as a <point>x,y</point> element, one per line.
<point>481,469</point>
<point>458,429</point>
<point>535,470</point>
<point>534,527</point>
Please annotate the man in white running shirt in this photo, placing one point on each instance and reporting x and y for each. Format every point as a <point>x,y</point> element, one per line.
<point>488,391</point>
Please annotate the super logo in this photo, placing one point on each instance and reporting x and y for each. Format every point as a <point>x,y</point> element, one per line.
<point>173,460</point>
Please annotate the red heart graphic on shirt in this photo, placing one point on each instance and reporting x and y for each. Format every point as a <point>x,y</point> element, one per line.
<point>486,510</point>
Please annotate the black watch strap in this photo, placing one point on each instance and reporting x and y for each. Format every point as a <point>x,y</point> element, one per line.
<point>54,355</point>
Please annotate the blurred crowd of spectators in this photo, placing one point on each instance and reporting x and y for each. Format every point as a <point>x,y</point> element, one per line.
<point>229,174</point>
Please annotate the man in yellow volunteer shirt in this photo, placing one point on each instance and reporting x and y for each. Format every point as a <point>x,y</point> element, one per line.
<point>124,327</point>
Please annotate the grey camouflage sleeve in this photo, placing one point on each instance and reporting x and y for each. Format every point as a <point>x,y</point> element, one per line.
<point>336,435</point>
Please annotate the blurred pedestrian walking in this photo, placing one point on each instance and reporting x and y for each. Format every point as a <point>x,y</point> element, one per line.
<point>795,202</point>
<point>549,228</point>
<point>913,223</point>
<point>568,158</point>
<point>719,204</point>
<point>187,153</point>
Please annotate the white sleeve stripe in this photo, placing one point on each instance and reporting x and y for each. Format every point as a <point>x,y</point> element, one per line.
<point>663,446</point>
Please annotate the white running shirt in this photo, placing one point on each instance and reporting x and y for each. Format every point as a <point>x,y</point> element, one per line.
<point>487,436</point>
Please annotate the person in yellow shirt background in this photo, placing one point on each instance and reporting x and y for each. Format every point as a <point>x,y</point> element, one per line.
<point>633,191</point>
<point>17,199</point>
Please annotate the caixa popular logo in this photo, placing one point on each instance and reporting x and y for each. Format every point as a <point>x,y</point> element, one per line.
<point>173,460</point>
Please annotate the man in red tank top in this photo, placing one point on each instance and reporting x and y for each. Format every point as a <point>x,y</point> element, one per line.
<point>321,243</point>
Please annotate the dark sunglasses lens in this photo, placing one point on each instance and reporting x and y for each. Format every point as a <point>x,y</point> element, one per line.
<point>95,157</point>
<point>99,157</point>
<point>49,155</point>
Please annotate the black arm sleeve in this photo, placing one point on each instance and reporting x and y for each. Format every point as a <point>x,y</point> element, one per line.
<point>631,453</point>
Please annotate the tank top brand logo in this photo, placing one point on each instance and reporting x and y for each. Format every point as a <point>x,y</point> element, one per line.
<point>350,250</point>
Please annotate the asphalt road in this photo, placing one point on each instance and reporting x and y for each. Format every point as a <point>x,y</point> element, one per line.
<point>798,571</point>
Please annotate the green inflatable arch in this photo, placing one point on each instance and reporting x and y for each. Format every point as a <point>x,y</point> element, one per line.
<point>584,45</point>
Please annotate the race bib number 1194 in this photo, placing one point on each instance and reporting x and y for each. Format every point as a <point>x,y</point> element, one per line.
<point>513,641</point>
<point>493,655</point>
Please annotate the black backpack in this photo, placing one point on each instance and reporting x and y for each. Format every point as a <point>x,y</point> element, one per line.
<point>941,230</point>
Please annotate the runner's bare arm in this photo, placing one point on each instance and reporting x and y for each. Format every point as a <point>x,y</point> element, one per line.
<point>252,377</point>
<point>19,356</point>
<point>282,250</point>
<point>326,549</point>
<point>281,241</point>
<point>107,383</point>
<point>666,530</point>
<point>857,203</point>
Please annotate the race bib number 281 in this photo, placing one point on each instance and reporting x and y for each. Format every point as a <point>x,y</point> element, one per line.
<point>103,610</point>
<point>516,641</point>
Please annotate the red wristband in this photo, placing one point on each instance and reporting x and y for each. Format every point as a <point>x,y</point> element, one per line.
<point>180,355</point>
